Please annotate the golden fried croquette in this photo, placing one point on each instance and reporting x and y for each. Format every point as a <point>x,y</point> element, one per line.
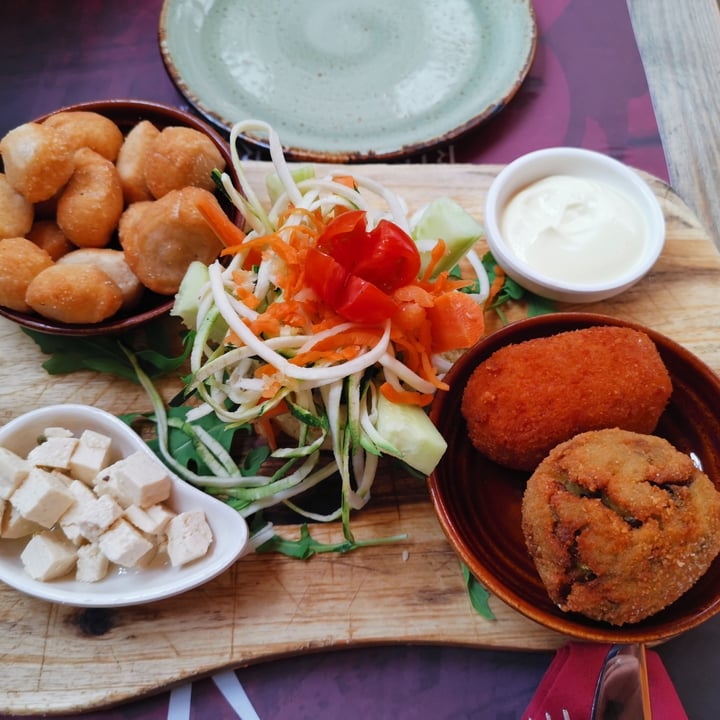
<point>180,157</point>
<point>74,294</point>
<point>38,161</point>
<point>528,397</point>
<point>90,206</point>
<point>20,261</point>
<point>16,211</point>
<point>131,161</point>
<point>48,235</point>
<point>82,128</point>
<point>162,237</point>
<point>114,264</point>
<point>619,524</point>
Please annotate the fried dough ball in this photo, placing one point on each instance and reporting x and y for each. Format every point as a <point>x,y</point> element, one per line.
<point>48,235</point>
<point>74,294</point>
<point>528,397</point>
<point>20,261</point>
<point>16,212</point>
<point>90,206</point>
<point>161,238</point>
<point>619,524</point>
<point>181,157</point>
<point>81,128</point>
<point>131,161</point>
<point>37,161</point>
<point>114,264</point>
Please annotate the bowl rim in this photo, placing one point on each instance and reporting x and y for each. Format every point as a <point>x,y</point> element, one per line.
<point>535,163</point>
<point>569,624</point>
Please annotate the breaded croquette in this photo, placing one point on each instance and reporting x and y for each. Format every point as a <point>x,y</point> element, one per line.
<point>131,161</point>
<point>619,524</point>
<point>113,263</point>
<point>90,206</point>
<point>74,294</point>
<point>20,261</point>
<point>528,397</point>
<point>161,238</point>
<point>180,157</point>
<point>38,161</point>
<point>16,212</point>
<point>82,128</point>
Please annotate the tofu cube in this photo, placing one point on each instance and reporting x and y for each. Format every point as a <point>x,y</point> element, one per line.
<point>85,500</point>
<point>124,545</point>
<point>188,537</point>
<point>57,432</point>
<point>13,470</point>
<point>55,453</point>
<point>106,483</point>
<point>48,556</point>
<point>104,511</point>
<point>142,480</point>
<point>152,520</point>
<point>15,526</point>
<point>91,455</point>
<point>43,498</point>
<point>92,564</point>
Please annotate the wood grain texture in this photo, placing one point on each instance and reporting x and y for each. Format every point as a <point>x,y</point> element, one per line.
<point>678,43</point>
<point>61,660</point>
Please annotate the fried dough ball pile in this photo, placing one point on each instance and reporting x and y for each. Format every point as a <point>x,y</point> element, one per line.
<point>90,218</point>
<point>619,524</point>
<point>528,397</point>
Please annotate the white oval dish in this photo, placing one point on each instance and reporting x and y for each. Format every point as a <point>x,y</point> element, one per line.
<point>580,163</point>
<point>120,587</point>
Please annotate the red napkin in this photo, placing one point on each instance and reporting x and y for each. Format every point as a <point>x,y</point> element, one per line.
<point>569,684</point>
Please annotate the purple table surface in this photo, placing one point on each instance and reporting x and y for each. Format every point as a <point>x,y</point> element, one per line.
<point>586,88</point>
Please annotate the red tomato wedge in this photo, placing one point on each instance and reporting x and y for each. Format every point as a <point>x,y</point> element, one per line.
<point>354,271</point>
<point>352,297</point>
<point>386,256</point>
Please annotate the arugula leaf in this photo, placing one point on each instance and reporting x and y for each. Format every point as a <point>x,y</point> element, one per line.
<point>105,354</point>
<point>303,548</point>
<point>479,596</point>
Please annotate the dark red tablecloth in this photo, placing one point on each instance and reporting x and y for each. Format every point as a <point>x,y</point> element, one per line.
<point>586,88</point>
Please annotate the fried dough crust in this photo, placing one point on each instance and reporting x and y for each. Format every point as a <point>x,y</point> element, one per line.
<point>619,524</point>
<point>528,397</point>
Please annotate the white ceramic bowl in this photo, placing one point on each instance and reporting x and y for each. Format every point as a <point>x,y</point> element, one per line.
<point>579,163</point>
<point>120,587</point>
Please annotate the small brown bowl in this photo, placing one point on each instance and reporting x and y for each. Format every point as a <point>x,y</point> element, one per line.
<point>126,114</point>
<point>478,502</point>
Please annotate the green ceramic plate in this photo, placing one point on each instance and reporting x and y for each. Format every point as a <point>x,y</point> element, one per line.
<point>344,80</point>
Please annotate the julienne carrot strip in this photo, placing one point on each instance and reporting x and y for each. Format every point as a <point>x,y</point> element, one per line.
<point>435,256</point>
<point>497,285</point>
<point>407,397</point>
<point>226,230</point>
<point>265,425</point>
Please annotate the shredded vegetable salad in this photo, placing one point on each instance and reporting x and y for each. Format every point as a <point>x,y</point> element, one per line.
<point>328,324</point>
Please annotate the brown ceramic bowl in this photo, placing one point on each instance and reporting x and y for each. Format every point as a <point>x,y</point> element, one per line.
<point>479,503</point>
<point>126,114</point>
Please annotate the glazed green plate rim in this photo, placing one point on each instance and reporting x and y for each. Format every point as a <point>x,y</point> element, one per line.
<point>346,81</point>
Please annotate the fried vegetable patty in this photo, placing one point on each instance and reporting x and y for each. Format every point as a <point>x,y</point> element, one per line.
<point>528,397</point>
<point>619,524</point>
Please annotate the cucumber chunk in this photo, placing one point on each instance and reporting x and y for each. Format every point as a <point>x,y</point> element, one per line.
<point>409,429</point>
<point>275,187</point>
<point>444,219</point>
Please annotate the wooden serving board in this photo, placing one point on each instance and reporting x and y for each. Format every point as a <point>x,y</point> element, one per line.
<point>60,659</point>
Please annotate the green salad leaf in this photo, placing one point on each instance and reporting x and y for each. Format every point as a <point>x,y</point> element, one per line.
<point>479,596</point>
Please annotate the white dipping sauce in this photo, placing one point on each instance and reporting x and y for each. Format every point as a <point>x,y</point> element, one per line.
<point>574,229</point>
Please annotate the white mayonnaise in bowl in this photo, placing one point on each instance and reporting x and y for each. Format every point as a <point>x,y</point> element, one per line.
<point>573,225</point>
